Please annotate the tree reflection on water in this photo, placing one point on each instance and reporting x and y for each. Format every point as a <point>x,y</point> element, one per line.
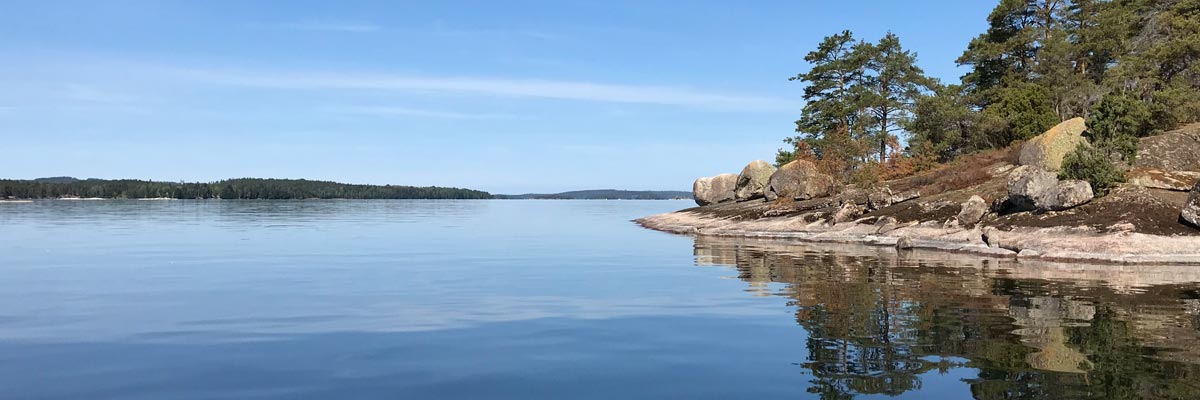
<point>877,320</point>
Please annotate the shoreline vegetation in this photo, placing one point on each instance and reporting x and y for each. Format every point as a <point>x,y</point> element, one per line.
<point>1075,136</point>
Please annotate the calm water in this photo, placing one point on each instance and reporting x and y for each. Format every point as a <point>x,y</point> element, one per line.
<point>550,299</point>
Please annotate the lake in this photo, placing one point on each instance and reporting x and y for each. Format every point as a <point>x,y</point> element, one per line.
<point>550,299</point>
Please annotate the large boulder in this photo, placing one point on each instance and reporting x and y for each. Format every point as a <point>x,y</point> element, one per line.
<point>752,182</point>
<point>1046,151</point>
<point>799,180</point>
<point>1191,209</point>
<point>1035,189</point>
<point>714,189</point>
<point>972,211</point>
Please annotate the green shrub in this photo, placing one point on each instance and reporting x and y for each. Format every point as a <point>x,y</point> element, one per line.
<point>1116,123</point>
<point>1091,163</point>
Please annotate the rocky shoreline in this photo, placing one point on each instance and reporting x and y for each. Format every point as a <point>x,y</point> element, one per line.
<point>1064,244</point>
<point>1007,204</point>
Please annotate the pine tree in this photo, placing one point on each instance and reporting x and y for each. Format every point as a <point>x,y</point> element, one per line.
<point>831,121</point>
<point>891,88</point>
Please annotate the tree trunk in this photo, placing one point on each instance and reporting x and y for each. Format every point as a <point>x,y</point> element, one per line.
<point>883,137</point>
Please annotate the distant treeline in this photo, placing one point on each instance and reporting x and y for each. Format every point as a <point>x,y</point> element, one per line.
<point>246,188</point>
<point>603,194</point>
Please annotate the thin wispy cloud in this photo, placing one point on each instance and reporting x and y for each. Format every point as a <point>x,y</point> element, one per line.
<point>322,26</point>
<point>86,93</point>
<point>400,111</point>
<point>441,28</point>
<point>502,87</point>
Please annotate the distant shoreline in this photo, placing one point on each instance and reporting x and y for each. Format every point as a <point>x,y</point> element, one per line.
<point>242,188</point>
<point>70,188</point>
<point>309,199</point>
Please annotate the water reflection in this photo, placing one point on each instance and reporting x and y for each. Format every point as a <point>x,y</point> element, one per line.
<point>876,321</point>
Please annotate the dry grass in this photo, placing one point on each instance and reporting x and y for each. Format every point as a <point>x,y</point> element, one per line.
<point>963,172</point>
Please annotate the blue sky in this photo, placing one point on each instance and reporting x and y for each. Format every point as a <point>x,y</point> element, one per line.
<point>512,96</point>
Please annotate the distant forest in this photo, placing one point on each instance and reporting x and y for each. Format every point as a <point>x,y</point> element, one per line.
<point>603,194</point>
<point>246,188</point>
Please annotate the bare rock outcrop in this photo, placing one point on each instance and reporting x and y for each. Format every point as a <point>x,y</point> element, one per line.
<point>799,180</point>
<point>1035,189</point>
<point>1153,178</point>
<point>1046,151</point>
<point>752,182</point>
<point>1171,151</point>
<point>714,189</point>
<point>848,212</point>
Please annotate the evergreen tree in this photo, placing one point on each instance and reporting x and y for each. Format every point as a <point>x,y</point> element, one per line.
<point>831,123</point>
<point>891,88</point>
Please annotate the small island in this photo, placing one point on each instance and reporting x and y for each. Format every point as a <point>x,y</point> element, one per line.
<point>1075,136</point>
<point>1004,203</point>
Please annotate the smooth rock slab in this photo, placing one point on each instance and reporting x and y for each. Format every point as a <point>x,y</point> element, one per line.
<point>1179,181</point>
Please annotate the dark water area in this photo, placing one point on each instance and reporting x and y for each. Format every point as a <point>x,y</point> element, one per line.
<point>551,299</point>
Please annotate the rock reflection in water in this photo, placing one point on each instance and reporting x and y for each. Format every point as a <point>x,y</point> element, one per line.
<point>876,320</point>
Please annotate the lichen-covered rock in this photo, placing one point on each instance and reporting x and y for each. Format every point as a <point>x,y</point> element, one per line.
<point>752,182</point>
<point>799,180</point>
<point>1171,151</point>
<point>972,211</point>
<point>879,198</point>
<point>1031,188</point>
<point>1191,209</point>
<point>714,189</point>
<point>1046,151</point>
<point>848,212</point>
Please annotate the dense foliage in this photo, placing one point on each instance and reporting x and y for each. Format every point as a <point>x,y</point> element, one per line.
<point>1129,66</point>
<point>859,95</point>
<point>247,188</point>
<point>1116,124</point>
<point>1092,164</point>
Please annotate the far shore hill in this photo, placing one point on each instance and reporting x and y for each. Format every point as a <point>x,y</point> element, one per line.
<point>69,188</point>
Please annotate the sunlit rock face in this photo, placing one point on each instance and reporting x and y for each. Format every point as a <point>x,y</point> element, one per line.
<point>752,182</point>
<point>799,180</point>
<point>714,189</point>
<point>1046,151</point>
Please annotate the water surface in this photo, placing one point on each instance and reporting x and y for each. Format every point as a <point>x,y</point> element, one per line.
<point>550,299</point>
